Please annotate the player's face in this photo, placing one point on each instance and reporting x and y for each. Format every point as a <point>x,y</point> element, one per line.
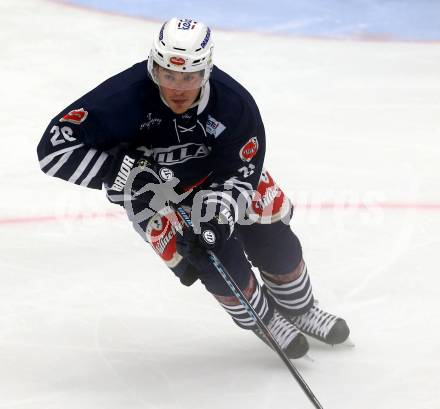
<point>179,89</point>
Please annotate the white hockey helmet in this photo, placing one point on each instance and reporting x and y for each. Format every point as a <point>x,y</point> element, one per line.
<point>183,46</point>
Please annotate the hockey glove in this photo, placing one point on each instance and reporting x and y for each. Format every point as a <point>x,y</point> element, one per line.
<point>128,175</point>
<point>211,237</point>
<point>207,235</point>
<point>189,276</point>
<point>193,248</point>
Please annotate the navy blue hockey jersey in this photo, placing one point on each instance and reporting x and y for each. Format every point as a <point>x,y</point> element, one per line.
<point>220,141</point>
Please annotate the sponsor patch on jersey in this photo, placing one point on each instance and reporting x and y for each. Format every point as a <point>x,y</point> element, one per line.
<point>249,150</point>
<point>180,153</point>
<point>150,122</point>
<point>214,127</point>
<point>177,61</point>
<point>77,116</point>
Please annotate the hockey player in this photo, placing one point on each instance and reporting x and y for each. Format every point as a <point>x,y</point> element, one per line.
<point>178,119</point>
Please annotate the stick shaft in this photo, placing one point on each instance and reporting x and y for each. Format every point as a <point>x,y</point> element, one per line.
<point>258,321</point>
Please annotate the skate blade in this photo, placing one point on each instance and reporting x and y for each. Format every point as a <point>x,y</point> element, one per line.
<point>349,343</point>
<point>307,357</point>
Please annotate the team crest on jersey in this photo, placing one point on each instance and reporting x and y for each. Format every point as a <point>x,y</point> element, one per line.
<point>214,127</point>
<point>77,116</point>
<point>249,150</point>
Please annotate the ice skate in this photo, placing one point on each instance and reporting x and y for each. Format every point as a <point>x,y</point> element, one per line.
<point>321,325</point>
<point>290,339</point>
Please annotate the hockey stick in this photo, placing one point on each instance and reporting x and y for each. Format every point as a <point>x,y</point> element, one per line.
<point>258,321</point>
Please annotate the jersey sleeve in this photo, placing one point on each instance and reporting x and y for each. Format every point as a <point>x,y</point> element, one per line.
<point>74,148</point>
<point>238,157</point>
<point>78,143</point>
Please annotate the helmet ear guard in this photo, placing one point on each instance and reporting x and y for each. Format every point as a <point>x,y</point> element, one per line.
<point>184,46</point>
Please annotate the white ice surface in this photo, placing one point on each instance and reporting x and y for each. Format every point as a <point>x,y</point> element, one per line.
<point>90,318</point>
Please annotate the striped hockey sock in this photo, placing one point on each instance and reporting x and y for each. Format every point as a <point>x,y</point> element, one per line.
<point>290,339</point>
<point>258,302</point>
<point>293,298</point>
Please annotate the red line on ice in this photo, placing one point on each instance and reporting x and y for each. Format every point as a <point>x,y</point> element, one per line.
<point>60,218</point>
<point>383,205</point>
<point>307,206</point>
